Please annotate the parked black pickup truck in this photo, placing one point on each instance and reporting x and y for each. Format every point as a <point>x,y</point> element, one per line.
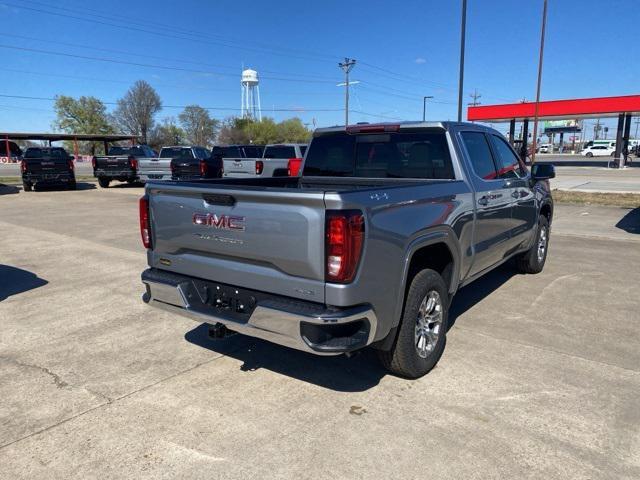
<point>120,163</point>
<point>47,166</point>
<point>192,163</point>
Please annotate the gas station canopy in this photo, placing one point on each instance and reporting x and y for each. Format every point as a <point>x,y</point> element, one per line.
<point>557,109</point>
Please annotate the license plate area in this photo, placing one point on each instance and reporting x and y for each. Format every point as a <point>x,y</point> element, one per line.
<point>223,300</point>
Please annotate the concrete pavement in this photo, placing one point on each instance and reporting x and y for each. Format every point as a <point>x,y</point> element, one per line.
<point>540,377</point>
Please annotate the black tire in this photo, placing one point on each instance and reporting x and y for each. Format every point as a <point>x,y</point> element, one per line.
<point>27,187</point>
<point>532,261</point>
<point>72,185</point>
<point>404,358</point>
<point>589,155</point>
<point>103,182</point>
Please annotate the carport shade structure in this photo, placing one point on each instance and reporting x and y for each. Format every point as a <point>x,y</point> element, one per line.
<point>57,137</point>
<point>623,107</point>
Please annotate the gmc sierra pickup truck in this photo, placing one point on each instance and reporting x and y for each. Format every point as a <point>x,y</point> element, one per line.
<point>47,166</point>
<point>275,162</point>
<point>367,247</point>
<point>120,163</point>
<point>192,163</point>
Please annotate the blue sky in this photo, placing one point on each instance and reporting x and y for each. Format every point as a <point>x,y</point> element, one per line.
<point>193,52</point>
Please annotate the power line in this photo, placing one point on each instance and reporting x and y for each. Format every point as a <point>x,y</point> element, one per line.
<point>149,65</point>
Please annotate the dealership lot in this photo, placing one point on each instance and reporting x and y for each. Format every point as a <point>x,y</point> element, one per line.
<point>540,378</point>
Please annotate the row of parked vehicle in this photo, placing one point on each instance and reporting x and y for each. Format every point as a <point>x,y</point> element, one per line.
<point>140,163</point>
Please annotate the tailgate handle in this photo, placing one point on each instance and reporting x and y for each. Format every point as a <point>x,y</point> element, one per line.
<point>218,199</point>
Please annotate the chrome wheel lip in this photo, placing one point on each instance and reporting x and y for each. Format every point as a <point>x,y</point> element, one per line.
<point>428,324</point>
<point>542,243</point>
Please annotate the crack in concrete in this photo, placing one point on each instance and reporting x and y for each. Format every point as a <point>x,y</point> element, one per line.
<point>57,380</point>
<point>110,401</point>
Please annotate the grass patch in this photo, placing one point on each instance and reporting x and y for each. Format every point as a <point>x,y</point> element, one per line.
<point>631,200</point>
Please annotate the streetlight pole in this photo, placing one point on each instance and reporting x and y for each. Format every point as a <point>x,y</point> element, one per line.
<point>462,42</point>
<point>540,58</point>
<point>346,67</point>
<point>424,107</point>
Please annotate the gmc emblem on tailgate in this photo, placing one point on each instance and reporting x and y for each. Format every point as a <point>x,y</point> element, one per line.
<point>221,222</point>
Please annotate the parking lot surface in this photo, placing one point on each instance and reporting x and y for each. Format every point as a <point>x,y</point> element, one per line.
<point>540,378</point>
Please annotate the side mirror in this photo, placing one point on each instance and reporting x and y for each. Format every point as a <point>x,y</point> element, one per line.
<point>71,157</point>
<point>543,171</point>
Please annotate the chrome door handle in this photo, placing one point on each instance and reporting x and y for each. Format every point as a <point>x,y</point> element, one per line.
<point>483,201</point>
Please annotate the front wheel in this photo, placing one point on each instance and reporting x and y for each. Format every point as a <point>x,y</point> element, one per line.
<point>589,154</point>
<point>103,182</point>
<point>421,335</point>
<point>533,260</point>
<point>27,186</point>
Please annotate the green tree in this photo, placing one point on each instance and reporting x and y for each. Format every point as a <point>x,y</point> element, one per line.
<point>198,125</point>
<point>263,132</point>
<point>234,131</point>
<point>167,133</point>
<point>136,110</point>
<point>293,130</point>
<point>85,115</point>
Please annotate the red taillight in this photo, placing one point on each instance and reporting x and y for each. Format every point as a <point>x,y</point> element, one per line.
<point>344,239</point>
<point>373,128</point>
<point>23,166</point>
<point>203,168</point>
<point>259,167</point>
<point>145,223</point>
<point>133,163</point>
<point>293,167</point>
<point>71,165</point>
<point>93,162</point>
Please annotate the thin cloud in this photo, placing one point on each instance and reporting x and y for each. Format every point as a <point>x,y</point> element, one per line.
<point>420,60</point>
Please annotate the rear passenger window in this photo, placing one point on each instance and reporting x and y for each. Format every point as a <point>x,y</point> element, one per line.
<point>392,155</point>
<point>508,163</point>
<point>479,154</point>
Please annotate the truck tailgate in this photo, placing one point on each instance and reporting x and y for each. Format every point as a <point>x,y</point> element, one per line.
<point>270,240</point>
<point>154,168</point>
<point>239,167</point>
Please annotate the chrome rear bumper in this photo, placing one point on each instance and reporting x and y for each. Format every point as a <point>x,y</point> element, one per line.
<point>306,326</point>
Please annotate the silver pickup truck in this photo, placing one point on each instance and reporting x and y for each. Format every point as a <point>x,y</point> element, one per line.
<point>367,247</point>
<point>274,162</point>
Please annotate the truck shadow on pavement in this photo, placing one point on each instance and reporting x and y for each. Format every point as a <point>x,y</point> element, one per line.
<point>356,374</point>
<point>476,291</point>
<point>15,280</point>
<point>630,222</point>
<point>8,189</point>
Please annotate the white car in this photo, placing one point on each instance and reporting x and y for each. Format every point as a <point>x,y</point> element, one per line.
<point>598,151</point>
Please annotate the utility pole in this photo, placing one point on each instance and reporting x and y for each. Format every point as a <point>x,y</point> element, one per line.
<point>424,106</point>
<point>596,130</point>
<point>475,96</point>
<point>346,67</point>
<point>540,58</point>
<point>462,42</point>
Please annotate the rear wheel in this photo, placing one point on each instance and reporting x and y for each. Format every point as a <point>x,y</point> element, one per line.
<point>589,154</point>
<point>421,335</point>
<point>533,260</point>
<point>103,182</point>
<point>27,186</point>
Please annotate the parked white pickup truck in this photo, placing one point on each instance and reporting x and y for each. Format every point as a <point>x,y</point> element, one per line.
<point>273,163</point>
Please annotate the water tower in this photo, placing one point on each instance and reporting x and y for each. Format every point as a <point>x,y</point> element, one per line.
<point>250,100</point>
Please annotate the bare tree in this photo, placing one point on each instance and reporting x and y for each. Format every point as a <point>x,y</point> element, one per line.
<point>135,111</point>
<point>200,128</point>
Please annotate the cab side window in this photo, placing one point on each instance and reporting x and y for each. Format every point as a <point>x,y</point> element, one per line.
<point>508,162</point>
<point>480,154</point>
